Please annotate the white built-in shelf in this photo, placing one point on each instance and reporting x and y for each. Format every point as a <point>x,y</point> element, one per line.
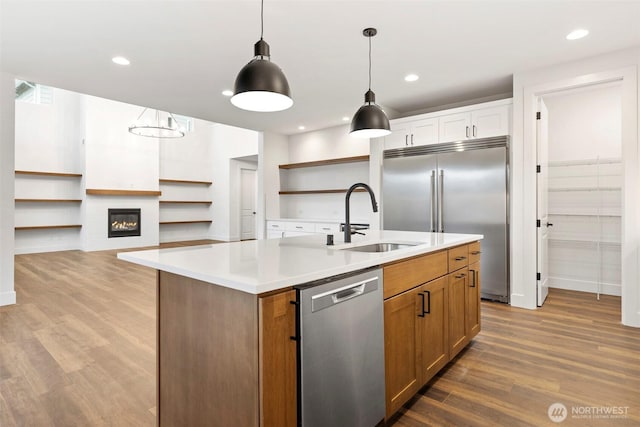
<point>583,240</point>
<point>53,174</point>
<point>187,202</point>
<point>48,200</point>
<point>48,227</point>
<point>184,181</point>
<point>568,189</point>
<point>204,221</point>
<point>594,214</point>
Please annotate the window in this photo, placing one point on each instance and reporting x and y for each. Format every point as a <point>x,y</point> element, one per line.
<point>33,92</point>
<point>185,122</point>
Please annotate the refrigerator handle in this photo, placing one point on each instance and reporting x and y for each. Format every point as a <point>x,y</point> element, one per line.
<point>433,201</point>
<point>441,202</point>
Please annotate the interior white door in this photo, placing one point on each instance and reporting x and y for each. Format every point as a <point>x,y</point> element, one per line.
<point>542,141</point>
<point>248,199</point>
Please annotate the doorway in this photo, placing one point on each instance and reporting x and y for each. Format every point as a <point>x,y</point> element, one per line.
<point>248,202</point>
<point>585,188</point>
<point>580,186</point>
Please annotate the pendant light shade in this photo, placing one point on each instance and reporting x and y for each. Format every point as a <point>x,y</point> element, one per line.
<point>156,125</point>
<point>261,85</point>
<point>370,121</point>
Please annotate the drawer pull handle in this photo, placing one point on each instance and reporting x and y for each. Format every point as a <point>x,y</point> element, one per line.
<point>460,258</point>
<point>422,308</point>
<point>275,226</point>
<point>476,253</point>
<point>473,282</point>
<point>299,227</point>
<point>459,276</point>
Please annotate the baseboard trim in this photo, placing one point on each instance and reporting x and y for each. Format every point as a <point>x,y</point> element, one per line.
<point>43,249</point>
<point>7,298</point>
<point>585,286</point>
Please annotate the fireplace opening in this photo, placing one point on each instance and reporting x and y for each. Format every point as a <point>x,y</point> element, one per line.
<point>124,223</point>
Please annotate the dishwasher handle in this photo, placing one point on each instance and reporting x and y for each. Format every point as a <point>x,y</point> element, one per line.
<point>342,294</point>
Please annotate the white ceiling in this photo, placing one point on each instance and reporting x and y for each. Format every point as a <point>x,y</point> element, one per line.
<point>184,53</point>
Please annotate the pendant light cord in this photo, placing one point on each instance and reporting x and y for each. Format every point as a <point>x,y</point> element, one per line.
<point>369,62</point>
<point>261,18</point>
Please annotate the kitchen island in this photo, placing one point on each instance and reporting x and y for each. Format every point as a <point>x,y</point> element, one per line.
<point>225,319</point>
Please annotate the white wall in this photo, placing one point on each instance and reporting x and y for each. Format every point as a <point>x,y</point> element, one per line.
<point>119,160</point>
<point>189,158</point>
<point>623,66</point>
<point>7,120</point>
<point>228,143</point>
<point>325,144</point>
<point>585,124</point>
<point>273,151</point>
<point>49,138</point>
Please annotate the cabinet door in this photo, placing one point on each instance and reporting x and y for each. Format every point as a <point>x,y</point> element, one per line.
<point>473,300</point>
<point>402,376</point>
<point>455,127</point>
<point>399,136</point>
<point>433,329</point>
<point>278,375</point>
<point>424,132</point>
<point>458,282</point>
<point>490,122</point>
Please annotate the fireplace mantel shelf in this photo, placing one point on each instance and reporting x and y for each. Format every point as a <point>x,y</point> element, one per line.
<point>108,192</point>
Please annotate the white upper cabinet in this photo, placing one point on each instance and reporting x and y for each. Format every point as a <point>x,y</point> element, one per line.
<point>455,127</point>
<point>470,122</point>
<point>481,123</point>
<point>412,133</point>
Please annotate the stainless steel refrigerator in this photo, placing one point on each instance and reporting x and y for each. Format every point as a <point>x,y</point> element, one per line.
<point>457,187</point>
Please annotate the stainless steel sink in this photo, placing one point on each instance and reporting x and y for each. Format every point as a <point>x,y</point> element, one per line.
<point>380,247</point>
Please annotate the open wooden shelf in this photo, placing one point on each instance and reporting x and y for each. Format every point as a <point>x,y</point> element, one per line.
<point>48,227</point>
<point>49,200</point>
<point>191,202</point>
<point>325,162</point>
<point>59,174</point>
<point>357,190</point>
<point>107,192</point>
<point>186,222</point>
<point>183,181</point>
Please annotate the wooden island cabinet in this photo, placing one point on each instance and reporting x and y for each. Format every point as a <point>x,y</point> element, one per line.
<point>229,357</point>
<point>431,312</point>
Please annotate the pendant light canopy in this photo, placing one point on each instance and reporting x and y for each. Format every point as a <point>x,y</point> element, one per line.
<point>158,125</point>
<point>370,121</point>
<point>261,84</point>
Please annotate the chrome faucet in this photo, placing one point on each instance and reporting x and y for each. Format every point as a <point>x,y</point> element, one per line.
<point>347,223</point>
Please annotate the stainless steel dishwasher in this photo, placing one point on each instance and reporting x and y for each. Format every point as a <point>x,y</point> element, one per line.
<point>341,351</point>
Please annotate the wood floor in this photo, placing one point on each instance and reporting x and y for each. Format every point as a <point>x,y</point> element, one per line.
<point>79,350</point>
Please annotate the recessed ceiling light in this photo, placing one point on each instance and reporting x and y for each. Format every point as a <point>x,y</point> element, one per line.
<point>346,119</point>
<point>301,127</point>
<point>120,60</point>
<point>227,92</point>
<point>411,77</point>
<point>577,34</point>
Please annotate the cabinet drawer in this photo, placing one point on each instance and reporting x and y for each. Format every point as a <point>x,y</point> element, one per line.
<point>307,227</point>
<point>327,228</point>
<point>474,252</point>
<point>276,225</point>
<point>458,257</point>
<point>408,274</point>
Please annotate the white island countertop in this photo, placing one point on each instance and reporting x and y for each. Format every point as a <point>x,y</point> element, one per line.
<point>258,266</point>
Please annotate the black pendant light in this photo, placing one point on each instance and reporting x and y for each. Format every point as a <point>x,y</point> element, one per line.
<point>261,84</point>
<point>370,121</point>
